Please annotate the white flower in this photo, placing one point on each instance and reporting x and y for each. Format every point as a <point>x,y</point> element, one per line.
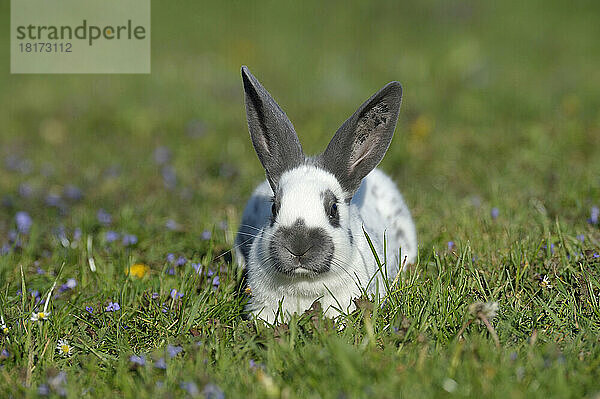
<point>63,348</point>
<point>37,316</point>
<point>545,282</point>
<point>3,327</point>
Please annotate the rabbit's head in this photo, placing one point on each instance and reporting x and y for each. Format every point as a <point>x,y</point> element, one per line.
<point>310,228</point>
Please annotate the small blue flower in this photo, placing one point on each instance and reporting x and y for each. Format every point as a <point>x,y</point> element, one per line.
<point>495,212</point>
<point>174,350</point>
<point>155,295</point>
<point>161,364</point>
<point>54,200</point>
<point>39,270</point>
<point>162,155</point>
<point>206,235</point>
<point>216,282</point>
<point>594,215</point>
<point>137,360</point>
<point>4,353</point>
<point>191,388</point>
<point>171,271</point>
<point>450,245</point>
<point>197,267</point>
<point>212,391</point>
<point>176,294</point>
<point>113,307</point>
<point>104,217</point>
<point>72,192</point>
<point>43,390</point>
<point>171,258</point>
<point>111,236</point>
<point>181,261</point>
<point>25,190</point>
<point>89,309</point>
<point>596,255</point>
<point>24,222</point>
<point>171,225</point>
<point>581,237</point>
<point>129,239</point>
<point>169,176</point>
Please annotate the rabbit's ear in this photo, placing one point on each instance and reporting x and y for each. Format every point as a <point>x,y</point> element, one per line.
<point>361,142</point>
<point>272,133</point>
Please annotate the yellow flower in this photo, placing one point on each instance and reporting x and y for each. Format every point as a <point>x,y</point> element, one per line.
<point>138,270</point>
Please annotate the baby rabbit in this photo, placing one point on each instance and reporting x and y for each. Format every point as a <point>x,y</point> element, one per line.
<point>302,235</point>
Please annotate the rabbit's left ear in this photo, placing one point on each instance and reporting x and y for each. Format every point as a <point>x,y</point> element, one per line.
<point>272,133</point>
<point>361,142</point>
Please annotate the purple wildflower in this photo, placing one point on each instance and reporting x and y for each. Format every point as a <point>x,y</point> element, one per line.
<point>176,294</point>
<point>450,245</point>
<point>495,212</point>
<point>104,217</point>
<point>69,285</point>
<point>39,270</point>
<point>89,309</point>
<point>72,192</point>
<point>171,271</point>
<point>191,388</point>
<point>53,200</point>
<point>25,190</point>
<point>169,176</point>
<point>24,222</point>
<point>206,235</point>
<point>210,273</point>
<point>172,225</point>
<point>111,236</point>
<point>113,307</point>
<point>212,391</point>
<point>77,234</point>
<point>155,295</point>
<point>594,215</point>
<point>216,282</point>
<point>129,239</point>
<point>4,353</point>
<point>174,350</point>
<point>137,360</point>
<point>596,255</point>
<point>43,390</point>
<point>197,267</point>
<point>161,364</point>
<point>162,155</point>
<point>4,250</point>
<point>171,258</point>
<point>181,261</point>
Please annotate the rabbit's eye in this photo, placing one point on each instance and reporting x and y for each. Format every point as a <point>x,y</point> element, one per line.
<point>333,211</point>
<point>274,209</point>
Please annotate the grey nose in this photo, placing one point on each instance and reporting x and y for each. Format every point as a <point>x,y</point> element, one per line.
<point>298,239</point>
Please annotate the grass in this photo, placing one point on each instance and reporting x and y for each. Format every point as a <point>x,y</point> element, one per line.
<point>500,111</point>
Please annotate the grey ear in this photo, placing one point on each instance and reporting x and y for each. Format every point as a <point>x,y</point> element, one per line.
<point>272,133</point>
<point>361,142</point>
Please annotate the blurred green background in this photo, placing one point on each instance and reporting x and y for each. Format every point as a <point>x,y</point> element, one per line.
<point>501,112</point>
<point>500,107</point>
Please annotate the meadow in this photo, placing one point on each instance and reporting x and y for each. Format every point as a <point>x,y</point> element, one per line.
<point>120,196</point>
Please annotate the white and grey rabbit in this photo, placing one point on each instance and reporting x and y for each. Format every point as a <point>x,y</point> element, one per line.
<point>301,236</point>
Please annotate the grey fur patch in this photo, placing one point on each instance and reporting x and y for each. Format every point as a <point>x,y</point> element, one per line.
<point>297,246</point>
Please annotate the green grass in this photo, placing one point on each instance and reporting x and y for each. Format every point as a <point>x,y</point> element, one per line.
<point>500,110</point>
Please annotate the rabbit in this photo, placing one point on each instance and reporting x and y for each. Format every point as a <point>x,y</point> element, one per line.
<point>302,234</point>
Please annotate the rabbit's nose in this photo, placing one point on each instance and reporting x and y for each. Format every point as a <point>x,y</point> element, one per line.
<point>299,248</point>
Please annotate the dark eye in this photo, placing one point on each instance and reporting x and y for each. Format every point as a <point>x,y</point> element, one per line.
<point>333,211</point>
<point>274,209</point>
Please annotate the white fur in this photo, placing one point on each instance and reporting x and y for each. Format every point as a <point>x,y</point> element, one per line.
<point>377,206</point>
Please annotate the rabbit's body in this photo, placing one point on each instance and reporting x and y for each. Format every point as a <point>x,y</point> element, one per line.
<point>377,206</point>
<point>301,236</point>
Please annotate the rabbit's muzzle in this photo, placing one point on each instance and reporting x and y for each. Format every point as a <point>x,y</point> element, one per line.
<point>300,250</point>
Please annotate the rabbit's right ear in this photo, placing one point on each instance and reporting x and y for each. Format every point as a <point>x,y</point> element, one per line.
<point>272,133</point>
<point>362,141</point>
